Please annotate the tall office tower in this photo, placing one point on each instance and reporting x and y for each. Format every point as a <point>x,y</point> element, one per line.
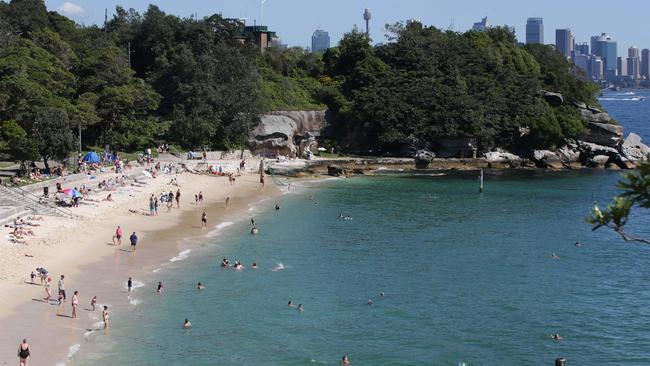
<point>564,41</point>
<point>621,66</point>
<point>366,16</point>
<point>645,63</point>
<point>534,31</point>
<point>634,62</point>
<point>596,68</point>
<point>582,48</point>
<point>604,46</point>
<point>481,26</point>
<point>582,61</point>
<point>320,41</point>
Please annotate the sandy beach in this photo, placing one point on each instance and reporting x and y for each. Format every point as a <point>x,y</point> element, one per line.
<point>82,250</point>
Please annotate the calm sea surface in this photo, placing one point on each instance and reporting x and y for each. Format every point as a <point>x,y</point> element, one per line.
<point>466,277</point>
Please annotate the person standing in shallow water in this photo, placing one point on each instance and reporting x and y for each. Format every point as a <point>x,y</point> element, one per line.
<point>204,219</point>
<point>75,304</point>
<point>105,316</point>
<point>134,241</point>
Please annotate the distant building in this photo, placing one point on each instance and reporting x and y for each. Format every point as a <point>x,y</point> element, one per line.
<point>634,62</point>
<point>645,63</point>
<point>564,41</point>
<point>621,66</point>
<point>534,31</point>
<point>259,35</point>
<point>597,68</point>
<point>582,48</point>
<point>320,41</point>
<point>604,46</point>
<point>481,26</point>
<point>582,61</point>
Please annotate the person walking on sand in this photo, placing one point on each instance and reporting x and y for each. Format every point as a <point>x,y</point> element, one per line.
<point>23,352</point>
<point>227,201</point>
<point>201,197</point>
<point>160,287</point>
<point>93,302</point>
<point>105,316</point>
<point>204,220</point>
<point>75,303</point>
<point>129,284</point>
<point>178,198</point>
<point>48,289</point>
<point>134,241</point>
<point>118,236</point>
<point>61,286</point>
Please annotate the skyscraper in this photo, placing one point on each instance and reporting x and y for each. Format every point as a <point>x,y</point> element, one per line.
<point>534,31</point>
<point>604,46</point>
<point>582,61</point>
<point>564,41</point>
<point>596,67</point>
<point>621,66</point>
<point>634,62</point>
<point>481,26</point>
<point>645,63</point>
<point>582,48</point>
<point>320,41</point>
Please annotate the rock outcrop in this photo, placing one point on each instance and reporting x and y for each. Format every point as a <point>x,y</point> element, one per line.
<point>288,133</point>
<point>547,159</point>
<point>606,134</point>
<point>336,171</point>
<point>554,99</point>
<point>633,149</point>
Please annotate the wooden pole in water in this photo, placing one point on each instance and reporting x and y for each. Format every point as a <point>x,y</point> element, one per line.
<point>480,180</point>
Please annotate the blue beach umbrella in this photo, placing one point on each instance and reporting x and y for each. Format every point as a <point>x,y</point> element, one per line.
<point>91,157</point>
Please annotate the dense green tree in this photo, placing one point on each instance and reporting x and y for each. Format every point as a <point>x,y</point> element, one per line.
<point>52,132</point>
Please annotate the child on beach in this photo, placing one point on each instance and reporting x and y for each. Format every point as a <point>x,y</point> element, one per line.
<point>118,236</point>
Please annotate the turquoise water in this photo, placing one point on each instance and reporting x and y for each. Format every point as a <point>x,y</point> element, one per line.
<point>467,277</point>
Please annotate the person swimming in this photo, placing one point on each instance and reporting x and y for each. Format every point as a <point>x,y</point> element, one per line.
<point>556,337</point>
<point>254,265</point>
<point>290,304</point>
<point>187,324</point>
<point>200,286</point>
<point>300,308</point>
<point>225,263</point>
<point>370,302</point>
<point>345,360</point>
<point>381,294</point>
<point>578,244</point>
<point>238,265</point>
<point>254,231</point>
<point>554,256</point>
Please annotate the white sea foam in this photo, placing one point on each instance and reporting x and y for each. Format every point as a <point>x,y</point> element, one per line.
<point>135,284</point>
<point>635,99</point>
<point>156,270</point>
<point>134,302</point>
<point>98,325</point>
<point>73,349</point>
<point>181,256</point>
<point>279,267</point>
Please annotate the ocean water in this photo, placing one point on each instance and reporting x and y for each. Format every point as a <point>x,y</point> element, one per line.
<point>467,277</point>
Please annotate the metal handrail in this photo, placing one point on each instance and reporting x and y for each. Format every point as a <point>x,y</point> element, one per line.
<point>36,199</point>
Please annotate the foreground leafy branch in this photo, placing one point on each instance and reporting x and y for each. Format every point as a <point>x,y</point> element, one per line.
<point>636,192</point>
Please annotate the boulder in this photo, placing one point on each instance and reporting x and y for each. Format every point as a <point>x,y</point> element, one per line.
<point>547,159</point>
<point>284,131</point>
<point>579,105</point>
<point>595,149</point>
<point>423,158</point>
<point>554,99</point>
<point>500,156</point>
<point>633,149</point>
<point>599,161</point>
<point>602,134</point>
<point>335,171</point>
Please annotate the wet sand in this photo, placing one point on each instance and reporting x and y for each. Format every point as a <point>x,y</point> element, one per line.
<point>95,267</point>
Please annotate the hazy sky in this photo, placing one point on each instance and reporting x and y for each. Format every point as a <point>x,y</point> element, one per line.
<point>295,20</point>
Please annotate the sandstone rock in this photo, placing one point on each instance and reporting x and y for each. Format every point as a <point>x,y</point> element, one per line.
<point>569,154</point>
<point>602,134</point>
<point>547,159</point>
<point>423,158</point>
<point>500,156</point>
<point>579,105</point>
<point>335,171</point>
<point>599,161</point>
<point>633,149</point>
<point>554,99</point>
<point>280,131</point>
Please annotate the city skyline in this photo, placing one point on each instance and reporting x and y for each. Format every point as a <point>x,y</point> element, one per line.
<point>339,16</point>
